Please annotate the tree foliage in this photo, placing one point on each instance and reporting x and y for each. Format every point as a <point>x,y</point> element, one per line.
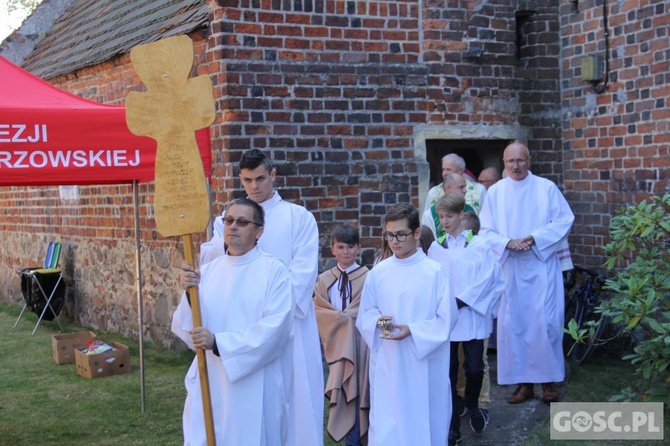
<point>28,5</point>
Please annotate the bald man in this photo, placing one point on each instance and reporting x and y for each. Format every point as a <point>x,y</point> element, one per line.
<point>488,177</point>
<point>525,218</point>
<point>454,183</point>
<point>474,192</point>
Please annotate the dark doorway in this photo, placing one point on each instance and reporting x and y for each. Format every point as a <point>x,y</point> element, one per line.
<point>477,153</point>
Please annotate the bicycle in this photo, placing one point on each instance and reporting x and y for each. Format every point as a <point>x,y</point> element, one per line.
<point>582,308</point>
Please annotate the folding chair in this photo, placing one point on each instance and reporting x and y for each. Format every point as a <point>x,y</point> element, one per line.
<point>43,288</point>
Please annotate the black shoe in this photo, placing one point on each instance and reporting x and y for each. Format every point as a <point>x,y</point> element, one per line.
<point>454,437</point>
<point>479,420</point>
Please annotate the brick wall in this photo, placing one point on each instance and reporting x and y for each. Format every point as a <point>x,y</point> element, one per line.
<point>513,84</point>
<point>332,89</point>
<point>336,89</point>
<point>615,142</point>
<point>344,96</point>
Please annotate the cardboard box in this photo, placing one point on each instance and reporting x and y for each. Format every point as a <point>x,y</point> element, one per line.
<point>114,362</point>
<point>64,345</point>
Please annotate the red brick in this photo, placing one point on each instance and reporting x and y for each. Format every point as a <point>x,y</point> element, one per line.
<point>362,77</point>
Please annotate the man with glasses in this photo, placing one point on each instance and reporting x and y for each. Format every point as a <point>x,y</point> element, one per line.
<point>406,314</point>
<point>291,235</point>
<point>247,320</point>
<point>525,218</point>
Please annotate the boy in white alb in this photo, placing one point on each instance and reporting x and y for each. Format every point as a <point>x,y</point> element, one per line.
<point>477,283</point>
<point>409,397</point>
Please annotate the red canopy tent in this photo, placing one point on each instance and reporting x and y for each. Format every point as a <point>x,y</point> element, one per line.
<point>51,137</point>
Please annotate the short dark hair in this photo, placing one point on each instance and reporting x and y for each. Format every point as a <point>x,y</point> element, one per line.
<point>470,221</point>
<point>345,233</point>
<point>259,213</point>
<point>402,211</point>
<point>253,158</point>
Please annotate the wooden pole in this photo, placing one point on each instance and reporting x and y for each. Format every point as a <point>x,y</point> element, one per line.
<point>189,256</point>
<point>171,110</point>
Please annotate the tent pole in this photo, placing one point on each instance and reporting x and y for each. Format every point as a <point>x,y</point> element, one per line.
<point>138,281</point>
<point>210,225</point>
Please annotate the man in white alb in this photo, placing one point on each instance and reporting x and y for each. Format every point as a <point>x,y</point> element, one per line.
<point>247,318</point>
<point>291,235</point>
<point>525,219</point>
<point>410,401</point>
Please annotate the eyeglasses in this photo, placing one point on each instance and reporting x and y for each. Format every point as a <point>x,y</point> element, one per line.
<point>388,236</point>
<point>241,222</point>
<point>516,161</point>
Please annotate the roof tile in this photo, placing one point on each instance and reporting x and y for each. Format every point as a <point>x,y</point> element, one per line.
<point>92,31</point>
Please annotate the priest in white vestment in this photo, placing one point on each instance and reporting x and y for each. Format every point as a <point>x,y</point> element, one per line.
<point>410,401</point>
<point>247,318</point>
<point>525,219</point>
<point>291,235</point>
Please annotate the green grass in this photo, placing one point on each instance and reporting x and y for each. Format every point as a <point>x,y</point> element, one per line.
<point>42,403</point>
<point>596,381</point>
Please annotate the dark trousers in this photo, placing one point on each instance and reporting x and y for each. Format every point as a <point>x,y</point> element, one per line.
<point>473,352</point>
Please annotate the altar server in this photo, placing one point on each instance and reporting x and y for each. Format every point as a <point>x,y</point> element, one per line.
<point>409,395</point>
<point>477,282</point>
<point>247,319</point>
<point>291,235</point>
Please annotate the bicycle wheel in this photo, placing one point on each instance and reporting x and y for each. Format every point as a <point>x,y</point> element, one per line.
<point>583,351</point>
<point>572,311</point>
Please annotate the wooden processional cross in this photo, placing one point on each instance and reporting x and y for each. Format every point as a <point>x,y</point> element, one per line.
<point>170,112</point>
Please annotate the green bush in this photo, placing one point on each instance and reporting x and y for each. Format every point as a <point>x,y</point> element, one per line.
<point>638,257</point>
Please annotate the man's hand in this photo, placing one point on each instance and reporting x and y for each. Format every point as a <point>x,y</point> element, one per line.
<point>521,244</point>
<point>398,332</point>
<point>188,277</point>
<point>202,338</point>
